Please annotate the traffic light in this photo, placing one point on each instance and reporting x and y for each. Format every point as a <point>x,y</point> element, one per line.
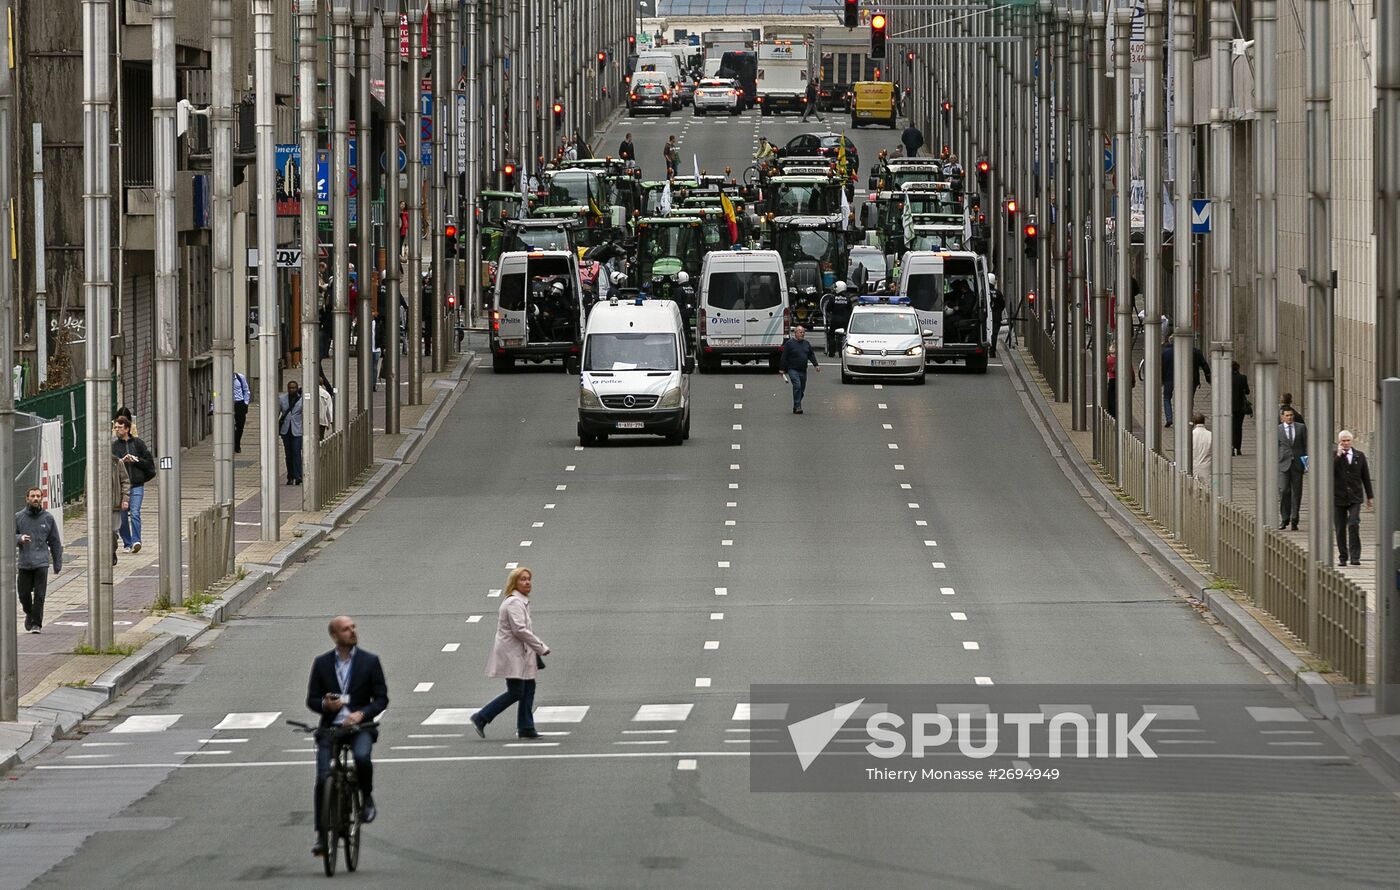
<point>1030,299</point>
<point>947,109</point>
<point>984,175</point>
<point>451,230</point>
<point>602,60</point>
<point>852,13</point>
<point>879,23</point>
<point>909,56</point>
<point>877,73</point>
<point>558,109</point>
<point>632,40</point>
<point>1032,244</point>
<point>451,301</point>
<point>1011,217</point>
<point>508,176</point>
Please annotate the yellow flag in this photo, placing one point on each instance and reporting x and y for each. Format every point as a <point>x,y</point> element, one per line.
<point>727,206</point>
<point>594,209</point>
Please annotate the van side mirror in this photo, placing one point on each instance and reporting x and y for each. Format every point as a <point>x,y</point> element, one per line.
<point>689,366</point>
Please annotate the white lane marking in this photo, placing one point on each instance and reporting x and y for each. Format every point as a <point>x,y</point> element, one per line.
<point>748,711</point>
<point>561,488</point>
<point>735,447</point>
<point>1174,712</point>
<point>644,742</point>
<point>738,386</point>
<point>556,732</point>
<point>569,468</point>
<point>702,682</point>
<point>494,592</point>
<point>250,720</point>
<point>982,681</point>
<point>738,426</point>
<point>561,714</point>
<point>724,564</point>
<point>527,543</point>
<point>473,619</point>
<point>549,506</point>
<point>721,591</point>
<point>883,406</point>
<point>731,504</point>
<point>223,741</point>
<point>1275,731</point>
<point>416,747</point>
<point>712,644</point>
<point>958,616</point>
<point>946,591</point>
<point>940,565</point>
<point>1276,715</point>
<point>578,447</point>
<point>449,717</point>
<point>204,751</point>
<point>423,687</point>
<point>930,543</point>
<point>733,466</point>
<point>86,756</point>
<point>650,731</point>
<point>1292,744</point>
<point>738,406</point>
<point>716,616</point>
<point>728,522</point>
<point>905,486</point>
<point>726,543</point>
<point>436,735</point>
<point>451,647</point>
<point>921,522</point>
<point>530,745</point>
<point>105,744</point>
<point>733,485</point>
<point>970,645</point>
<point>899,466</point>
<point>687,764</point>
<point>537,525</point>
<point>512,565</point>
<point>913,506</point>
<point>147,723</point>
<point>662,713</point>
<point>888,426</point>
<point>879,386</point>
<point>894,447</point>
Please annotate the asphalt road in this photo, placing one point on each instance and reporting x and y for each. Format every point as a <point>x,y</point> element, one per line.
<point>896,534</point>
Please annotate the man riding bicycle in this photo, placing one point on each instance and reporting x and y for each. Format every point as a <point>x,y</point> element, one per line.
<point>347,688</point>
<point>766,151</point>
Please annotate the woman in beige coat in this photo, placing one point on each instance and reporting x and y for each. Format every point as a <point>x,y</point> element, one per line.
<point>515,656</point>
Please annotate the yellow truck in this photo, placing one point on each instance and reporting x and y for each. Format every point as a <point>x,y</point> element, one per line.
<point>873,102</point>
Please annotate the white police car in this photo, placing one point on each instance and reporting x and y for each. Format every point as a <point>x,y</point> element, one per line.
<point>882,339</point>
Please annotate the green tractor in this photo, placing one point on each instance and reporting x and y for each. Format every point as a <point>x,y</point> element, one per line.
<point>814,252</point>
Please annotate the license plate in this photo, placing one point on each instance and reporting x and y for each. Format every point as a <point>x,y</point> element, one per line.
<point>514,341</point>
<point>724,341</point>
<point>630,425</point>
<point>883,362</point>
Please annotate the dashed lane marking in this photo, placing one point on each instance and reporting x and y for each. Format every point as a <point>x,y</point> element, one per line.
<point>537,525</point>
<point>473,619</point>
<point>940,565</point>
<point>712,644</point>
<point>662,713</point>
<point>702,682</point>
<point>899,466</point>
<point>512,565</point>
<point>147,723</point>
<point>726,543</point>
<point>749,711</point>
<point>913,506</point>
<point>716,616</point>
<point>982,681</point>
<point>723,564</point>
<point>569,468</point>
<point>894,447</point>
<point>971,645</point>
<point>494,592</point>
<point>250,720</point>
<point>549,506</point>
<point>561,488</point>
<point>527,543</point>
<point>687,764</point>
<point>721,591</point>
<point>958,616</point>
<point>423,687</point>
<point>921,522</point>
<point>947,591</point>
<point>451,647</point>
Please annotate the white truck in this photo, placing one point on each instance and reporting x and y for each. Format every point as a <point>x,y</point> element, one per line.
<point>784,67</point>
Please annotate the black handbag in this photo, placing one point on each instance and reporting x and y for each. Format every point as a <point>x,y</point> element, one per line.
<point>539,661</point>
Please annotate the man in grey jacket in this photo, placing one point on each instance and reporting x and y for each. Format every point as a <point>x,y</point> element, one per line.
<point>38,537</point>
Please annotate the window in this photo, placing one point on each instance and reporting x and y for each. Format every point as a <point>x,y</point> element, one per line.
<point>925,294</point>
<point>631,352</point>
<point>737,291</point>
<point>512,293</point>
<point>883,323</point>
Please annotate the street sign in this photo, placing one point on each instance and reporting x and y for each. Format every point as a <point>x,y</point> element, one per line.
<point>1108,160</point>
<point>426,134</point>
<point>1200,216</point>
<point>403,160</point>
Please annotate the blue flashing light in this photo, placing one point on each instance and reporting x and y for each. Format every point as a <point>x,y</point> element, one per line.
<point>883,300</point>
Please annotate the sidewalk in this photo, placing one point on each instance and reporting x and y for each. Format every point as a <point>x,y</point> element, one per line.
<point>1281,653</point>
<point>48,665</point>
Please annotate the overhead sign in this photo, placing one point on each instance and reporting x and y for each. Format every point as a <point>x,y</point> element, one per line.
<point>1200,216</point>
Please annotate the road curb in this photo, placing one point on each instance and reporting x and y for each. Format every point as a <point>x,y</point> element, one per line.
<point>1309,684</point>
<point>65,708</point>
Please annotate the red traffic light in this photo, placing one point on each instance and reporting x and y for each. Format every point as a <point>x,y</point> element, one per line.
<point>947,106</point>
<point>558,107</point>
<point>1010,206</point>
<point>451,230</point>
<point>602,56</point>
<point>909,56</point>
<point>983,167</point>
<point>451,301</point>
<point>1030,297</point>
<point>508,169</point>
<point>631,39</point>
<point>1030,230</point>
<point>877,73</point>
<point>878,22</point>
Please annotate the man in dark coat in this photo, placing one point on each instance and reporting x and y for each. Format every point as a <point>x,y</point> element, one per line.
<point>912,139</point>
<point>1351,484</point>
<point>1292,464</point>
<point>792,364</point>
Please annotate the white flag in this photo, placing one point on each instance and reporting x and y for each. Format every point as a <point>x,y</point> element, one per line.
<point>845,210</point>
<point>696,158</point>
<point>524,194</point>
<point>666,199</point>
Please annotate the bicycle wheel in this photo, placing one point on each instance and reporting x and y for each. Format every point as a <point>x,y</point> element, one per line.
<point>330,818</point>
<point>350,828</point>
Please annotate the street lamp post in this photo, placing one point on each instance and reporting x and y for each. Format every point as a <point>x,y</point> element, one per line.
<point>442,76</point>
<point>268,311</point>
<point>308,123</point>
<point>414,9</point>
<point>221,116</point>
<point>362,18</point>
<point>340,218</point>
<point>393,268</point>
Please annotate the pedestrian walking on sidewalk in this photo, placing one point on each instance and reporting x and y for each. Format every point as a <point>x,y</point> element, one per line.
<point>516,656</point>
<point>1285,403</point>
<point>1240,407</point>
<point>1200,447</point>
<point>140,468</point>
<point>998,309</point>
<point>39,539</point>
<point>1351,485</point>
<point>792,364</point>
<point>242,396</point>
<point>289,426</point>
<point>1292,464</point>
<point>121,500</point>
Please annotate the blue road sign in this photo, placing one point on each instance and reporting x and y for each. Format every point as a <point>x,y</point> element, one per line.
<point>1200,216</point>
<point>1108,160</point>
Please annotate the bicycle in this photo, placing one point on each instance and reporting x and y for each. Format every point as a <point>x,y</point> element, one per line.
<point>341,804</point>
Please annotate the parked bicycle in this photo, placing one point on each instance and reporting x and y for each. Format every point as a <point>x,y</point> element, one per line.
<point>341,802</point>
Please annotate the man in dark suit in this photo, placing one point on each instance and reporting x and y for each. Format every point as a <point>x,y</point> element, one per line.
<point>1351,484</point>
<point>1292,464</point>
<point>347,688</point>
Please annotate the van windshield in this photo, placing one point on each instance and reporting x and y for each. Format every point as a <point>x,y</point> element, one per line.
<point>738,291</point>
<point>630,352</point>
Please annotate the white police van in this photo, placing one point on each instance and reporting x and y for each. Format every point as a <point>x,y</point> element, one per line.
<point>635,377</point>
<point>743,308</point>
<point>948,288</point>
<point>536,309</point>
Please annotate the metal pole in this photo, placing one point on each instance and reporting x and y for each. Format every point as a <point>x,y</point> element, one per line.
<point>1266,348</point>
<point>442,74</point>
<point>1222,329</point>
<point>364,234</point>
<point>221,119</point>
<point>456,167</point>
<point>393,268</point>
<point>9,645</point>
<point>1318,106</point>
<point>269,322</point>
<point>308,124</point>
<point>97,312</point>
<point>1388,556</point>
<point>1183,366</point>
<point>1059,230</point>
<point>474,163</point>
<point>168,389</point>
<point>1123,339</point>
<point>1074,216</point>
<point>415,210</point>
<point>1154,113</point>
<point>340,226</point>
<point>1098,208</point>
<point>41,270</point>
<point>1387,176</point>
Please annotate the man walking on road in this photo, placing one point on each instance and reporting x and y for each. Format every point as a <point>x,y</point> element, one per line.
<point>809,107</point>
<point>912,140</point>
<point>242,395</point>
<point>38,537</point>
<point>1292,464</point>
<point>626,151</point>
<point>797,352</point>
<point>668,153</point>
<point>1351,484</point>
